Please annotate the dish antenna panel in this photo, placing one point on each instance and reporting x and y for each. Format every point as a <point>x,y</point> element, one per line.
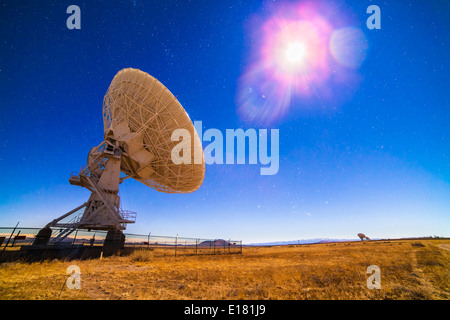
<point>139,117</point>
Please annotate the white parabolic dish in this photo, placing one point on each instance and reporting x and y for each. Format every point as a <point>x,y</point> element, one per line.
<point>141,113</point>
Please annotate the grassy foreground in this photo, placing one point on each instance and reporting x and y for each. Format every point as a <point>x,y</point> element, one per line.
<point>410,269</point>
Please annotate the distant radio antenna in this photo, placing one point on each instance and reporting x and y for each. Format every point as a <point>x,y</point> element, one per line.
<point>362,236</point>
<point>139,116</point>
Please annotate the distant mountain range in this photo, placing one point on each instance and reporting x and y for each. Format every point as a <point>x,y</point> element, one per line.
<point>327,240</point>
<point>302,241</point>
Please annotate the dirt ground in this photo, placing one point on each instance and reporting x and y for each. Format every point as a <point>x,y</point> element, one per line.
<point>409,269</point>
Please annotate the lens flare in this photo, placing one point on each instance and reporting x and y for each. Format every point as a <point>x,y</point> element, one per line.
<point>292,66</point>
<point>348,46</point>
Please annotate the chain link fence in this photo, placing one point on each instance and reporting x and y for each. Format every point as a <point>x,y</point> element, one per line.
<point>12,239</point>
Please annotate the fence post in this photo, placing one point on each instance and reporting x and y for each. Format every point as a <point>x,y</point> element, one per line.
<point>10,236</point>
<point>176,243</point>
<point>75,237</point>
<point>14,240</point>
<point>148,244</point>
<point>196,246</point>
<point>214,246</point>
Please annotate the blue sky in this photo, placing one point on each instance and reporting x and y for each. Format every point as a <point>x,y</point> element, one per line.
<point>372,156</point>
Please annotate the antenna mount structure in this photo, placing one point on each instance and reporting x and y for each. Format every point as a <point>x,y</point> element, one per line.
<point>139,116</point>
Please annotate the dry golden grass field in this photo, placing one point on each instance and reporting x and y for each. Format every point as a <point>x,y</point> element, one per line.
<point>410,269</point>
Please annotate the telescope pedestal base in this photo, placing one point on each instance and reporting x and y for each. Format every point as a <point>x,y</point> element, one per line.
<point>43,236</point>
<point>115,240</point>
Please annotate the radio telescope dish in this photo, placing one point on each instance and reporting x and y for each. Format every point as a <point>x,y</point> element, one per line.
<point>139,116</point>
<point>362,236</point>
<point>140,112</point>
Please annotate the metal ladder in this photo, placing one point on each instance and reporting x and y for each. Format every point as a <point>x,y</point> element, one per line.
<point>64,233</point>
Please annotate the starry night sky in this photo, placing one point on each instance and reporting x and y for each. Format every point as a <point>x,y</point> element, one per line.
<point>369,154</point>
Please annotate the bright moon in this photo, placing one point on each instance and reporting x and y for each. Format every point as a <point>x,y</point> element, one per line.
<point>295,54</point>
<point>296,51</point>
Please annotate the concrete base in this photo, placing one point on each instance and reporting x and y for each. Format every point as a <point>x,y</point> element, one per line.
<point>43,236</point>
<point>44,252</point>
<point>114,241</point>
